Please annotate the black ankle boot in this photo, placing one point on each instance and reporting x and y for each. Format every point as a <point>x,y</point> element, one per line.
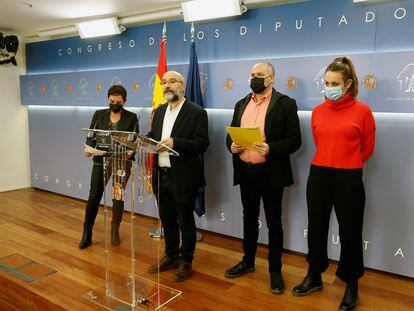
<point>350,300</point>
<point>86,238</point>
<point>311,283</point>
<point>115,239</point>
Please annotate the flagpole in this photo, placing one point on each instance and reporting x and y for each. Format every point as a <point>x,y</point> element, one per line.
<point>192,31</point>
<point>158,232</point>
<point>164,32</point>
<point>199,235</point>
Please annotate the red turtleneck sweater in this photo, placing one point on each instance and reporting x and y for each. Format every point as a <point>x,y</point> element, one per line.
<point>343,132</point>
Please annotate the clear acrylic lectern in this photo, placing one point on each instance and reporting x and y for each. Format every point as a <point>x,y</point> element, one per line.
<point>128,285</point>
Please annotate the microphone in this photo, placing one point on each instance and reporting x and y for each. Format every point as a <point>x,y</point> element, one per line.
<point>133,137</point>
<point>92,134</point>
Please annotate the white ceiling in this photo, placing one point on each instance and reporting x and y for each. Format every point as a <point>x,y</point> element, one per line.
<point>28,17</point>
<point>23,16</point>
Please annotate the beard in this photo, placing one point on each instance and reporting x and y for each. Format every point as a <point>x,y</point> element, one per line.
<point>172,96</point>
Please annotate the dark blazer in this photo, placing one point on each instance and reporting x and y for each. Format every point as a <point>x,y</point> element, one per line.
<point>100,121</point>
<point>190,136</point>
<point>282,132</point>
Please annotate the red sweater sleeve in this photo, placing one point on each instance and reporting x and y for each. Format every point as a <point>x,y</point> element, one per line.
<point>368,137</point>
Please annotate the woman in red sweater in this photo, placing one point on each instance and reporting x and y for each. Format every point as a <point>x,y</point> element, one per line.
<point>344,134</point>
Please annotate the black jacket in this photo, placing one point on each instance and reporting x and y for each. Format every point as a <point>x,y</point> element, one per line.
<point>190,136</point>
<point>100,121</point>
<point>282,132</point>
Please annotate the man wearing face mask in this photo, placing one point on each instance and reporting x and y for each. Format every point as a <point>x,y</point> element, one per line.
<point>263,174</point>
<point>114,118</point>
<point>183,126</point>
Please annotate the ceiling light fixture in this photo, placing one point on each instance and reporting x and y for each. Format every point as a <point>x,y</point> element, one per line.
<point>198,10</point>
<point>99,28</point>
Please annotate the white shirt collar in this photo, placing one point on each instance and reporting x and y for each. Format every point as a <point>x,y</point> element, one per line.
<point>178,106</point>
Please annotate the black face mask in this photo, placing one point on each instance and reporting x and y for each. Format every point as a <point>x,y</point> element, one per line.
<point>257,85</point>
<point>115,107</point>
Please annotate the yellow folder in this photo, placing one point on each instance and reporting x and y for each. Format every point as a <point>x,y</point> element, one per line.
<point>245,136</point>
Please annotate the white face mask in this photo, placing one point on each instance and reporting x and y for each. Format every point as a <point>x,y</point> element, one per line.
<point>334,93</point>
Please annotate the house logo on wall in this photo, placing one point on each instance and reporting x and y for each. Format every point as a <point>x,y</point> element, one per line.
<point>203,82</point>
<point>406,79</point>
<point>320,80</point>
<point>151,83</point>
<point>83,87</point>
<point>30,88</point>
<point>116,80</point>
<point>54,88</point>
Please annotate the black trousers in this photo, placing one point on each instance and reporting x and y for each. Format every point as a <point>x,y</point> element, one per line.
<point>176,209</point>
<point>255,184</point>
<point>96,192</point>
<point>342,189</point>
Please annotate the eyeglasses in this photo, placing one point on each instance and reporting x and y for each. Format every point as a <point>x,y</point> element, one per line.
<point>171,81</point>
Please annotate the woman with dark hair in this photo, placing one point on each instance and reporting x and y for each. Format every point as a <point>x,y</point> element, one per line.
<point>114,118</point>
<point>344,134</point>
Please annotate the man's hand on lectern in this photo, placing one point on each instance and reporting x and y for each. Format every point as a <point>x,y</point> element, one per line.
<point>169,142</point>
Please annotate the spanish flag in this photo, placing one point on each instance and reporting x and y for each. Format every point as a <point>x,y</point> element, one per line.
<point>158,97</point>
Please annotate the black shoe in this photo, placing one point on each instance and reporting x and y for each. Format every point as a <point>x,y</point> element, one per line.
<point>164,264</point>
<point>183,271</point>
<point>238,270</point>
<point>86,239</point>
<point>311,283</point>
<point>115,239</point>
<point>350,300</point>
<point>277,286</point>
